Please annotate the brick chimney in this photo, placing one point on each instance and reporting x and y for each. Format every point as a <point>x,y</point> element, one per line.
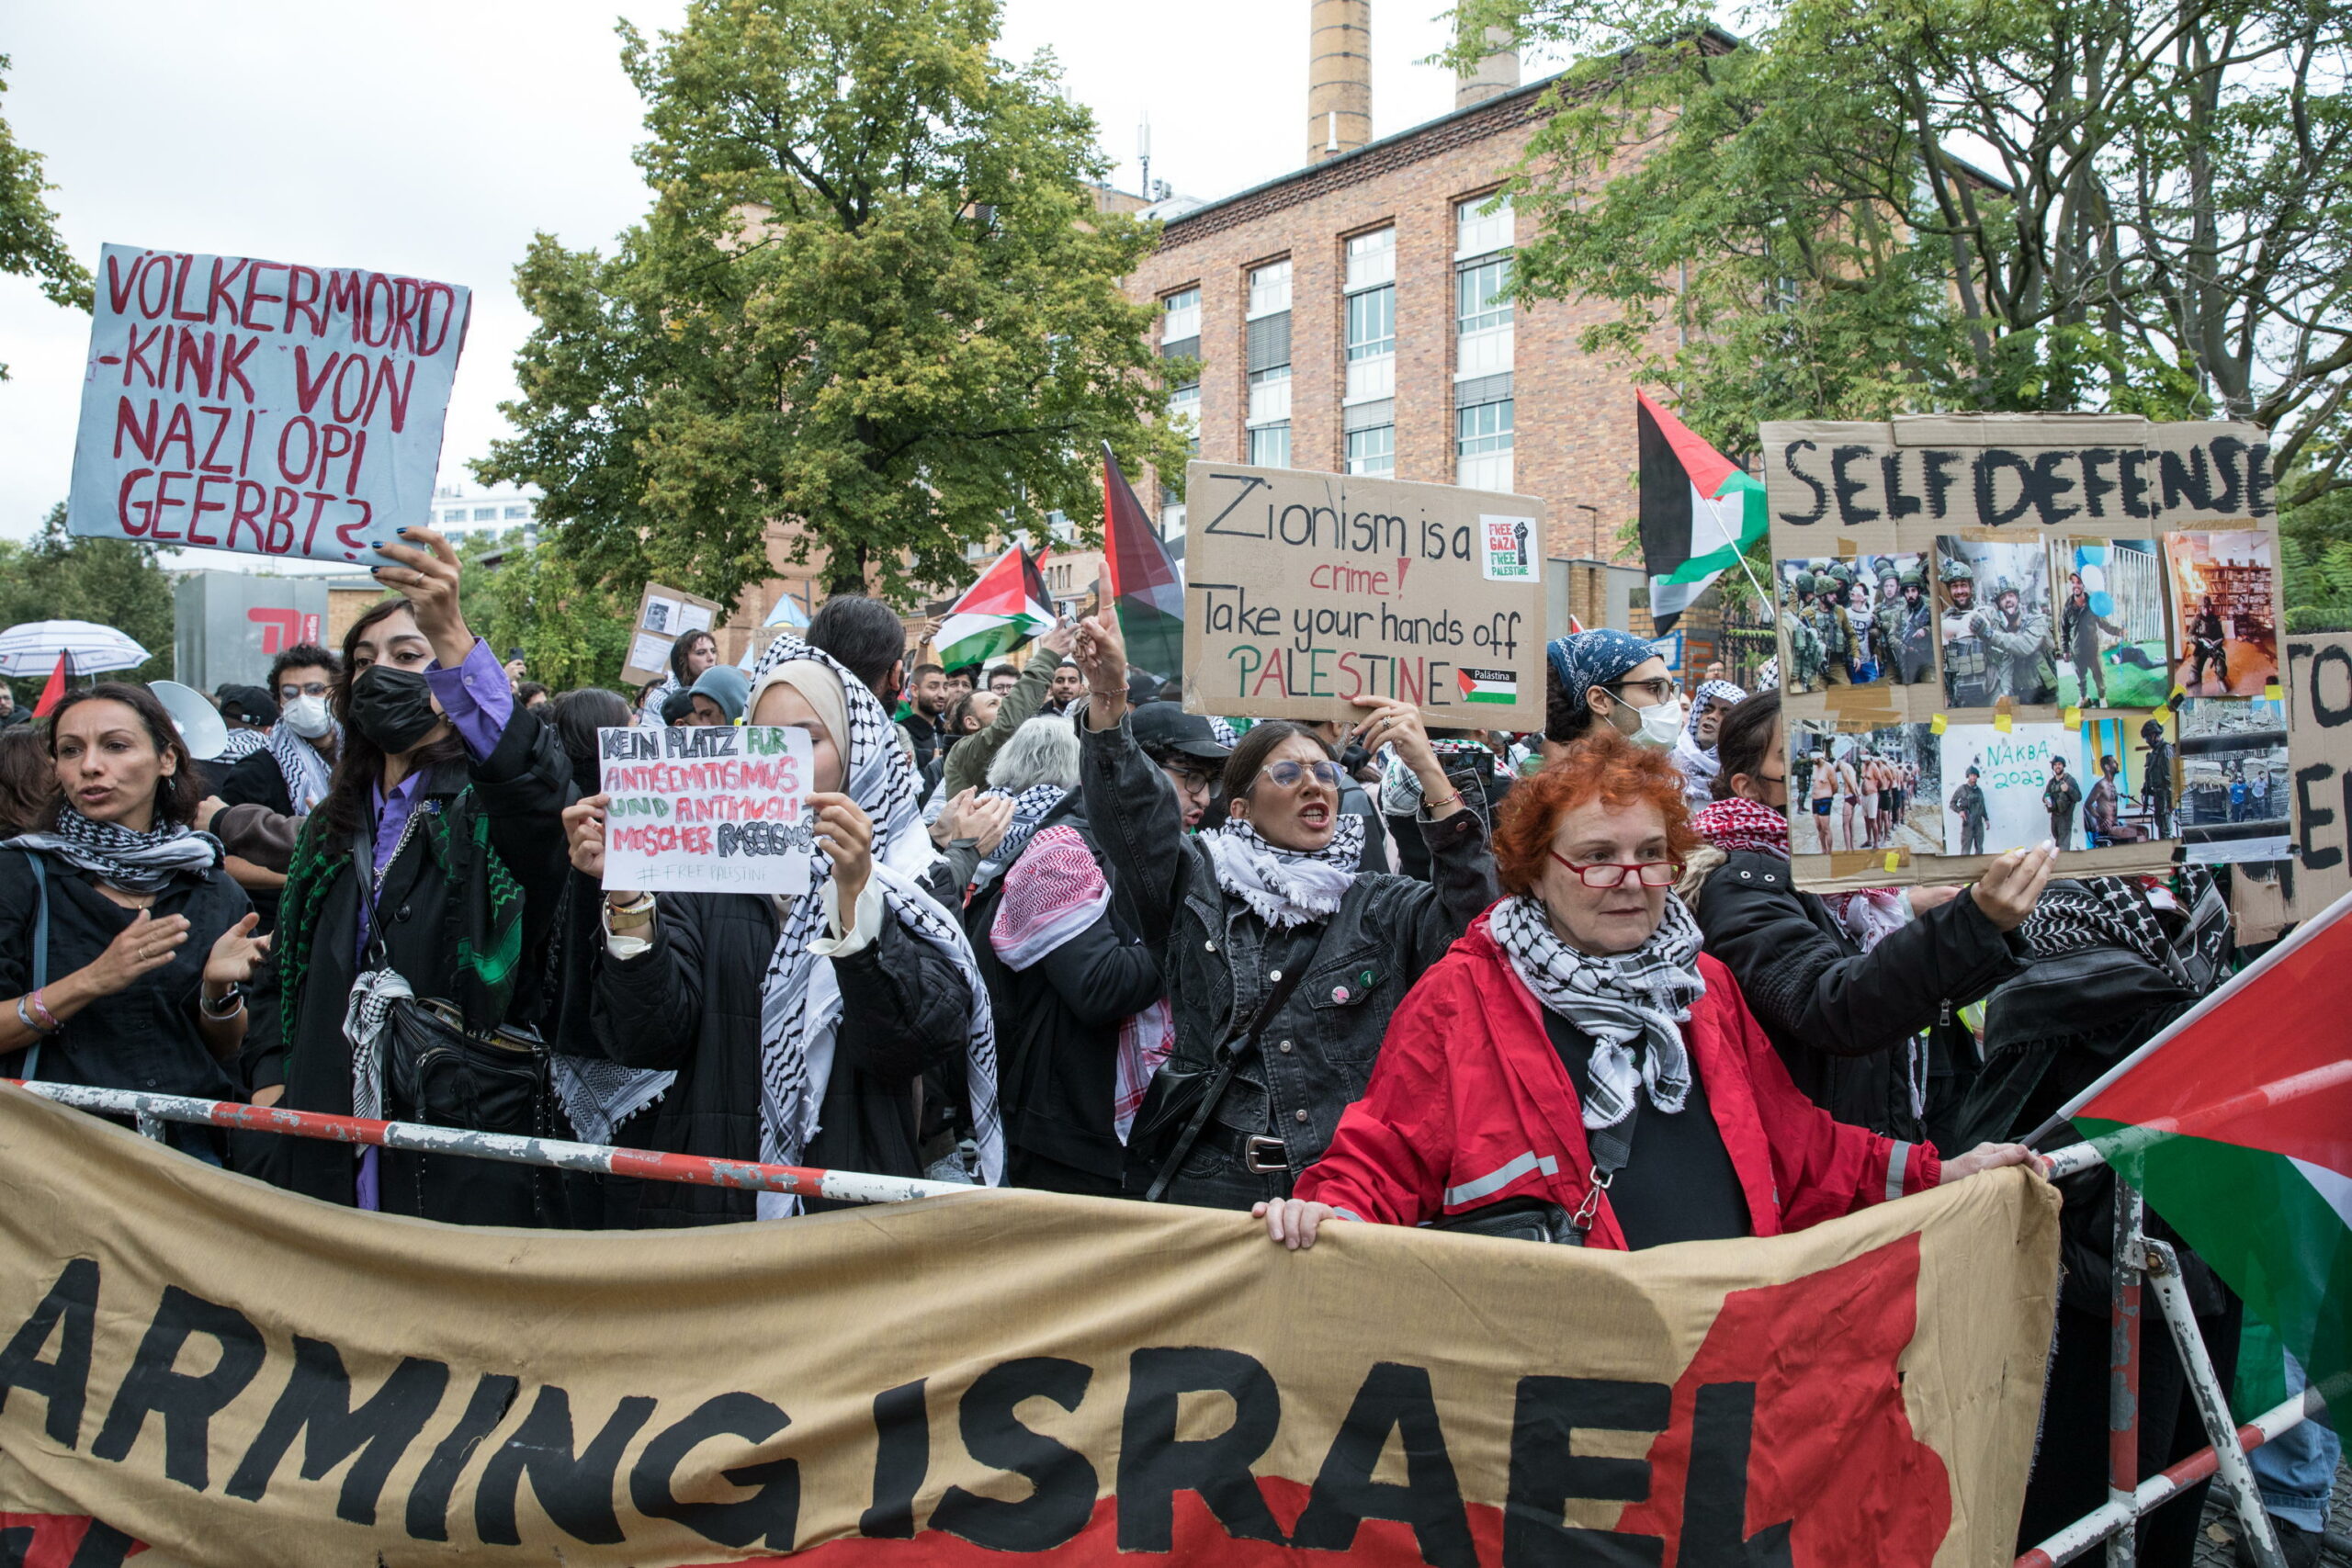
<point>1497,71</point>
<point>1339,78</point>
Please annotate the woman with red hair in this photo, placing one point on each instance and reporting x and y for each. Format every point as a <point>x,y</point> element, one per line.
<point>1576,1068</point>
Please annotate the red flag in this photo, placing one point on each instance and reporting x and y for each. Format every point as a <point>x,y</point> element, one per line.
<point>52,692</point>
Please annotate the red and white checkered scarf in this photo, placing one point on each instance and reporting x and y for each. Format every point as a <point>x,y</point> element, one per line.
<point>1052,893</point>
<point>1738,823</point>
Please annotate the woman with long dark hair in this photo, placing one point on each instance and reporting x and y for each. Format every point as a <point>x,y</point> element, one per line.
<point>123,943</point>
<point>429,872</point>
<point>1284,961</point>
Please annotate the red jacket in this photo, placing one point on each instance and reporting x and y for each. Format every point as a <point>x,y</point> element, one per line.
<point>1470,1103</point>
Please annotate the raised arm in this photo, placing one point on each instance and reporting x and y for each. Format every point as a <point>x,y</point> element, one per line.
<point>969,760</point>
<point>1131,805</point>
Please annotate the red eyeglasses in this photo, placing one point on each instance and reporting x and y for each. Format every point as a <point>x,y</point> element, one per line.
<point>1613,874</point>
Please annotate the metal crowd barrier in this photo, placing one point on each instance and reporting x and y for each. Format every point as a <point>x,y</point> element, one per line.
<point>2139,1263</point>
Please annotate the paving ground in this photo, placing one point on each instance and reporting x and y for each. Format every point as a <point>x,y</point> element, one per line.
<point>2214,1547</point>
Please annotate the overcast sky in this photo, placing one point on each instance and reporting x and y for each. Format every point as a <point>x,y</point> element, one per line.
<point>434,137</point>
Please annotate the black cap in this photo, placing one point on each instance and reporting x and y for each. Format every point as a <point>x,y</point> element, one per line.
<point>247,704</point>
<point>1166,727</point>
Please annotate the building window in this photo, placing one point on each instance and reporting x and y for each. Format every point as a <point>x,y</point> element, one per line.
<point>1269,366</point>
<point>1181,318</point>
<point>486,515</point>
<point>1171,520</point>
<point>1268,290</point>
<point>459,515</point>
<point>1477,230</point>
<point>518,512</point>
<point>1184,405</point>
<point>1482,295</point>
<point>1371,322</point>
<point>1371,259</point>
<point>1372,453</point>
<point>1482,445</point>
<point>1269,446</point>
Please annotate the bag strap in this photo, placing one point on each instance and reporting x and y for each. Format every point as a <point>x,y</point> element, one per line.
<point>1229,1062</point>
<point>40,950</point>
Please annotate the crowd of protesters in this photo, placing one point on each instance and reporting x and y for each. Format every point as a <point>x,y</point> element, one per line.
<point>1061,934</point>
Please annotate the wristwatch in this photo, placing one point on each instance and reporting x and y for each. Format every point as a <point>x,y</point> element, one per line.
<point>228,1007</point>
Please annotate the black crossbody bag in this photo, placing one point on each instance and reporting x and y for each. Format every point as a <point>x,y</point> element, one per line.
<point>1189,1096</point>
<point>440,1072</point>
<point>1540,1219</point>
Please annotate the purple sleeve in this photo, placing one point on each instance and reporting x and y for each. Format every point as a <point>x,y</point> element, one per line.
<point>475,698</point>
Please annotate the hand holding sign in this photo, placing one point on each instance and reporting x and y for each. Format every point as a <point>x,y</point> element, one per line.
<point>1399,725</point>
<point>699,809</point>
<point>846,835</point>
<point>2012,884</point>
<point>424,570</point>
<point>583,836</point>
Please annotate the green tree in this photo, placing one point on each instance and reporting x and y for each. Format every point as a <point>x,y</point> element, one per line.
<point>1885,205</point>
<point>115,582</point>
<point>572,628</point>
<point>872,295</point>
<point>28,243</point>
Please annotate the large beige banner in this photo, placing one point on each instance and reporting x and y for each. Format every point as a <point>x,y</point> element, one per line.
<point>200,1370</point>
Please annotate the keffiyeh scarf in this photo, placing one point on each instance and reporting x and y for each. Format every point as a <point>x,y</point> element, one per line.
<point>1738,823</point>
<point>1029,808</point>
<point>1286,887</point>
<point>241,744</point>
<point>800,998</point>
<point>2114,911</point>
<point>1053,892</point>
<point>303,767</point>
<point>1698,760</point>
<point>1400,788</point>
<point>136,863</point>
<point>1632,1004</point>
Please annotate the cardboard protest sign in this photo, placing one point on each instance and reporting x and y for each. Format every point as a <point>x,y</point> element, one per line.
<point>663,615</point>
<point>2319,739</point>
<point>1996,572</point>
<point>221,1373</point>
<point>705,808</point>
<point>269,407</point>
<point>1303,590</point>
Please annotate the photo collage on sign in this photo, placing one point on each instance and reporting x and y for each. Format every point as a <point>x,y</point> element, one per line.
<point>2235,781</point>
<point>2110,627</point>
<point>1873,790</point>
<point>1996,621</point>
<point>1855,620</point>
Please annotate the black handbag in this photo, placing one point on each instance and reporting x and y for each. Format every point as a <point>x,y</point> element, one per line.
<point>441,1073</point>
<point>1184,1097</point>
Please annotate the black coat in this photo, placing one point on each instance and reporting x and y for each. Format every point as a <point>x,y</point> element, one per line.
<point>1839,1017</point>
<point>1058,1022</point>
<point>1323,1041</point>
<point>519,792</point>
<point>690,1003</point>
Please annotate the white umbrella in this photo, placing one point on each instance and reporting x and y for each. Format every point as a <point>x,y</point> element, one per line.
<point>89,649</point>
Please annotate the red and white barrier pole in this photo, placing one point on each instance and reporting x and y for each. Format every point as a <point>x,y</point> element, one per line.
<point>842,1186</point>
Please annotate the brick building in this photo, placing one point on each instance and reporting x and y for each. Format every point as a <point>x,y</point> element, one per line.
<point>1354,316</point>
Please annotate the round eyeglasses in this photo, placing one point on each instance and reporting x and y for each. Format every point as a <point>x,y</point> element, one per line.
<point>1287,773</point>
<point>1613,874</point>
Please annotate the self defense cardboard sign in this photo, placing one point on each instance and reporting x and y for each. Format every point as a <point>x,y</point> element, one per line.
<point>1304,591</point>
<point>1999,576</point>
<point>663,615</point>
<point>705,808</point>
<point>223,1374</point>
<point>264,407</point>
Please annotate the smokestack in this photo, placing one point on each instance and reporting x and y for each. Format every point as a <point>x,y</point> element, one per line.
<point>1339,78</point>
<point>1497,71</point>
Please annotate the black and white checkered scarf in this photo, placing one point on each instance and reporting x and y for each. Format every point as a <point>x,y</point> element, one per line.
<point>1633,1004</point>
<point>1286,887</point>
<point>303,766</point>
<point>1029,808</point>
<point>2075,916</point>
<point>136,863</point>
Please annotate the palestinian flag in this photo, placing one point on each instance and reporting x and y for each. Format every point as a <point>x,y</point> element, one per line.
<point>1699,511</point>
<point>1143,580</point>
<point>2236,1126</point>
<point>1488,686</point>
<point>1004,609</point>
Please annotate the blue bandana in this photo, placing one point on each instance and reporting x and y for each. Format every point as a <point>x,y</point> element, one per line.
<point>1585,660</point>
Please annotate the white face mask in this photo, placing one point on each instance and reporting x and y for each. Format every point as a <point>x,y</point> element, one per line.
<point>1660,725</point>
<point>307,716</point>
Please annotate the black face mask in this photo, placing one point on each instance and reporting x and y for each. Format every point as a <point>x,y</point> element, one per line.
<point>393,708</point>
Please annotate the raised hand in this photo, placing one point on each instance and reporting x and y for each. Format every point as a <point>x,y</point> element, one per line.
<point>584,837</point>
<point>424,570</point>
<point>2012,884</point>
<point>236,954</point>
<point>845,833</point>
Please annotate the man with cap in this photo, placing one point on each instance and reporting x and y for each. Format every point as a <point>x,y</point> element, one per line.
<point>719,695</point>
<point>1968,663</point>
<point>249,711</point>
<point>1968,803</point>
<point>1911,631</point>
<point>2018,647</point>
<point>2060,796</point>
<point>1796,626</point>
<point>1080,1049</point>
<point>1834,627</point>
<point>2079,626</point>
<point>2156,776</point>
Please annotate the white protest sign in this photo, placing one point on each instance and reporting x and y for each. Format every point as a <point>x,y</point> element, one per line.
<point>273,409</point>
<point>2011,767</point>
<point>706,810</point>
